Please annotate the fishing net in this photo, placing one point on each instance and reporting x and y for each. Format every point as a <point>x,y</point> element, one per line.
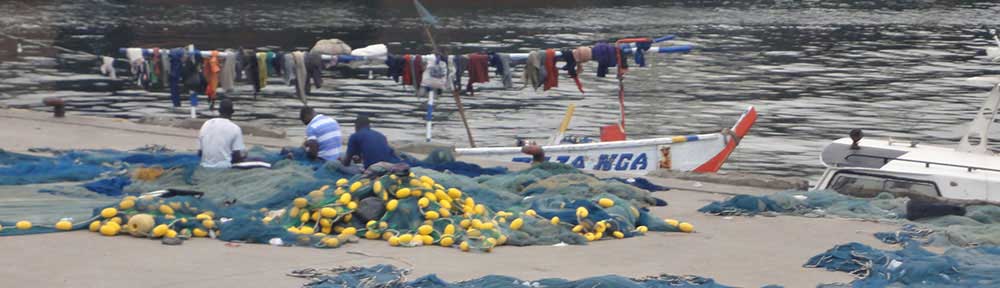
<point>388,276</point>
<point>912,266</point>
<point>980,224</point>
<point>325,205</point>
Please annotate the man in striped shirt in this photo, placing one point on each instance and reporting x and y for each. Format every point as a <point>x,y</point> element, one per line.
<point>323,139</point>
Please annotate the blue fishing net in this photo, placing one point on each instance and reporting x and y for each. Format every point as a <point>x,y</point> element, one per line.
<point>388,276</point>
<point>912,266</point>
<point>323,204</point>
<point>443,161</point>
<point>979,225</point>
<point>110,186</point>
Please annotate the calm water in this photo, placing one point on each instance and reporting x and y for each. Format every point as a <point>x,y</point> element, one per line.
<point>814,69</point>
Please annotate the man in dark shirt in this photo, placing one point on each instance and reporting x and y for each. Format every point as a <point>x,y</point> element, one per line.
<point>370,145</point>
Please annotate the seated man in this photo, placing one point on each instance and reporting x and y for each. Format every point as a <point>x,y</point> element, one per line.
<point>220,141</point>
<point>369,145</point>
<point>323,138</point>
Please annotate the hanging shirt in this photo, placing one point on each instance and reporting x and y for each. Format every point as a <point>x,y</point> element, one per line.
<point>505,68</point>
<point>156,69</point>
<point>606,57</point>
<point>396,64</point>
<point>326,132</point>
<point>461,64</point>
<point>371,146</point>
<point>217,140</point>
<point>434,76</point>
<point>570,67</point>
<point>176,58</point>
<point>552,74</point>
<point>252,69</point>
<point>211,71</point>
<point>478,70</point>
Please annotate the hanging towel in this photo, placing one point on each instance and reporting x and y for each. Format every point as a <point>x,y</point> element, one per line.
<point>461,64</point>
<point>542,73</point>
<point>262,68</point>
<point>300,72</point>
<point>569,57</point>
<point>211,71</point>
<point>531,76</point>
<point>505,69</point>
<point>606,57</point>
<point>478,70</point>
<point>581,55</point>
<point>289,67</point>
<point>108,67</point>
<point>176,57</point>
<point>278,63</point>
<point>228,73</point>
<point>135,60</point>
<point>396,64</point>
<point>551,73</point>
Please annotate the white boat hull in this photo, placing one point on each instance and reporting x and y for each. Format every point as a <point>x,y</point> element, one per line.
<point>697,153</point>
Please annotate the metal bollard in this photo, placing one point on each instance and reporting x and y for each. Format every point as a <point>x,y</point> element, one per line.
<point>58,106</point>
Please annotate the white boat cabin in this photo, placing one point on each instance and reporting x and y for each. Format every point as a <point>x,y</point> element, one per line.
<point>971,171</point>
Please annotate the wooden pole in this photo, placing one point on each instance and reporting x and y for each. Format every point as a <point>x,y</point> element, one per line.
<point>454,93</point>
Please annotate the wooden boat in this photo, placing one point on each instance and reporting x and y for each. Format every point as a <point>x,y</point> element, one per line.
<point>696,153</point>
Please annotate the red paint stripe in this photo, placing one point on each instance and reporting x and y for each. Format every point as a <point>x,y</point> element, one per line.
<point>740,129</point>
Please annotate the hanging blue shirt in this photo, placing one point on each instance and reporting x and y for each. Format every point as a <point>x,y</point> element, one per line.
<point>371,146</point>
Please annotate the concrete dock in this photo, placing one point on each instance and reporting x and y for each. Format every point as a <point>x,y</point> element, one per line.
<point>740,251</point>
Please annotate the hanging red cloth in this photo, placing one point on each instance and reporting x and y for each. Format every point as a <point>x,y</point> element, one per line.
<point>478,70</point>
<point>551,73</point>
<point>407,74</point>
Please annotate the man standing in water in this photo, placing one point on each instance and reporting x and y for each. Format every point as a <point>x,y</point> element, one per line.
<point>323,138</point>
<point>220,141</point>
<point>368,144</point>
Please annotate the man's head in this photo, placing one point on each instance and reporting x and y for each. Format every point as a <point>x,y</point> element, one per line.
<point>226,109</point>
<point>362,122</point>
<point>306,114</point>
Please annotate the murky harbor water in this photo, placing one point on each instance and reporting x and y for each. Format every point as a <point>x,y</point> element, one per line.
<point>814,69</point>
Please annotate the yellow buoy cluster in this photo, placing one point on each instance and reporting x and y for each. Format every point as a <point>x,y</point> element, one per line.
<point>154,218</point>
<point>419,211</point>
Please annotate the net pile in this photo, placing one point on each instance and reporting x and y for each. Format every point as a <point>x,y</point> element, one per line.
<point>912,266</point>
<point>980,224</point>
<point>303,203</point>
<point>388,276</point>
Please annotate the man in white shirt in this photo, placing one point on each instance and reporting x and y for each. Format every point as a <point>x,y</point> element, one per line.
<point>220,141</point>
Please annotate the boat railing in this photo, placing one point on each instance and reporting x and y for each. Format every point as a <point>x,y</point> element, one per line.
<point>885,160</point>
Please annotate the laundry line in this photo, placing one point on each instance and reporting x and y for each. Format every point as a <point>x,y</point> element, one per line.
<point>627,48</point>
